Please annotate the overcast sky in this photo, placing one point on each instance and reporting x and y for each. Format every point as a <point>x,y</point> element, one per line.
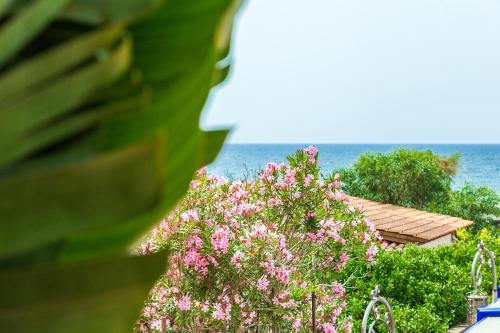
<point>363,71</point>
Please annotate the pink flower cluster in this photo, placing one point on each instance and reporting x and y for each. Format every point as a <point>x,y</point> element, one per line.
<point>220,239</point>
<point>184,303</point>
<point>244,253</point>
<point>190,215</point>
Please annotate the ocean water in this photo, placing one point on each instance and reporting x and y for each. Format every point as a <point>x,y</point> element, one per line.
<point>479,164</point>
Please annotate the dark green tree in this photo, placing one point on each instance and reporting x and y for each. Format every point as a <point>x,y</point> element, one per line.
<point>422,180</point>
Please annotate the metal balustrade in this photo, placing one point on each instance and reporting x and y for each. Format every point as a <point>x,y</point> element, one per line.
<point>477,275</point>
<point>484,317</point>
<point>373,308</point>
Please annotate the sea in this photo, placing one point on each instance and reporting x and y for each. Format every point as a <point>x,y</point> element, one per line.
<point>479,163</point>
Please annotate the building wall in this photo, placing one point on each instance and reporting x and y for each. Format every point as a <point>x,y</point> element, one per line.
<point>446,239</point>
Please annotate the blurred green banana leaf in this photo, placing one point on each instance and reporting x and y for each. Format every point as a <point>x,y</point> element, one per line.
<point>100,102</point>
<point>98,296</point>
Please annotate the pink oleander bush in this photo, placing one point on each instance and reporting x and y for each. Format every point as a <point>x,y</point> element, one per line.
<point>250,254</point>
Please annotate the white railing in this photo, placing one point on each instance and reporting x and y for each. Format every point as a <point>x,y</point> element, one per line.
<point>477,275</point>
<point>373,308</point>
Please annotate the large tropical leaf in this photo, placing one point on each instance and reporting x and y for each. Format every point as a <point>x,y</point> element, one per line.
<point>99,137</point>
<point>98,296</point>
<point>32,18</point>
<point>176,59</point>
<point>96,12</point>
<point>94,192</point>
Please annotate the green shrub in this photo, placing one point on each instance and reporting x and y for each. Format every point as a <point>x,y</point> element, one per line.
<point>402,177</point>
<point>422,319</point>
<point>422,180</point>
<point>478,204</point>
<point>427,287</point>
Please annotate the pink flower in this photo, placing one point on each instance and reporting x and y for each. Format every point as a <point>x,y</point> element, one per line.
<point>283,275</point>
<point>370,226</point>
<point>147,247</point>
<point>190,215</point>
<point>237,258</point>
<point>281,300</point>
<point>220,239</point>
<point>311,152</point>
<point>281,185</point>
<point>238,192</point>
<point>156,324</point>
<point>197,261</point>
<point>348,327</point>
<point>274,202</point>
<point>245,209</point>
<point>308,180</point>
<point>290,177</point>
<point>262,283</point>
<point>194,241</point>
<point>269,266</point>
<point>329,328</point>
<point>271,167</point>
<point>371,253</point>
<point>296,324</point>
<point>258,231</point>
<point>366,238</point>
<point>250,316</point>
<point>201,172</point>
<point>269,171</point>
<point>338,289</point>
<point>149,311</point>
<point>310,215</point>
<point>344,257</point>
<point>221,181</point>
<point>338,195</point>
<point>184,303</point>
<point>222,312</point>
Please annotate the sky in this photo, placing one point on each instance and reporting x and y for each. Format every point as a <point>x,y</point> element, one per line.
<point>362,71</point>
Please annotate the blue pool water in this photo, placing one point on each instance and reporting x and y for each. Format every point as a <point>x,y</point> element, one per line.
<point>479,164</point>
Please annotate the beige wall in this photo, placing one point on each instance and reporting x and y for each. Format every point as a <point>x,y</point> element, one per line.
<point>446,239</point>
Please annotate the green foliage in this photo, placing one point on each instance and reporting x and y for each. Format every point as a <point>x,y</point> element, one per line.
<point>427,287</point>
<point>402,177</point>
<point>251,253</point>
<point>99,138</point>
<point>479,204</point>
<point>420,319</point>
<point>422,180</point>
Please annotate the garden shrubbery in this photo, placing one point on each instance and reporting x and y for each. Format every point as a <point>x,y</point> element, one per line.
<point>251,254</point>
<point>427,287</point>
<point>422,180</point>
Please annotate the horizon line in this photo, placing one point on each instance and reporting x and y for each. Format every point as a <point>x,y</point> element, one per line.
<point>363,143</point>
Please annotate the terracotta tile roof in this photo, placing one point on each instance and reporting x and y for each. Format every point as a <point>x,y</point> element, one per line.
<point>403,225</point>
<point>394,246</point>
